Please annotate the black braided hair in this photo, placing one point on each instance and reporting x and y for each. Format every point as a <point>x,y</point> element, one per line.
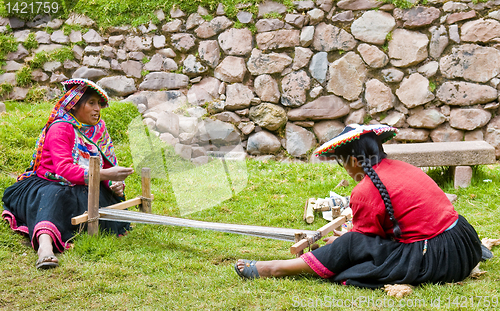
<point>384,194</point>
<point>368,151</point>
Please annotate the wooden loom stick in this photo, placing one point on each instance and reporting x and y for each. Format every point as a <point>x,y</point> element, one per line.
<point>298,237</point>
<point>304,243</point>
<point>146,190</point>
<point>79,219</point>
<point>334,224</point>
<point>299,246</point>
<point>93,199</point>
<point>126,204</point>
<point>122,205</point>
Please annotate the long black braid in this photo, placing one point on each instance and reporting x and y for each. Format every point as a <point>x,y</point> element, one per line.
<point>384,194</point>
<point>369,151</point>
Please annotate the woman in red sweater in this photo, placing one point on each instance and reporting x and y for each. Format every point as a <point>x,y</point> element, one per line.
<point>405,230</point>
<point>54,189</point>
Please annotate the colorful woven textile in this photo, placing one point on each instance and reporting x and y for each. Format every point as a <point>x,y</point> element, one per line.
<point>352,132</point>
<point>68,84</point>
<point>98,134</point>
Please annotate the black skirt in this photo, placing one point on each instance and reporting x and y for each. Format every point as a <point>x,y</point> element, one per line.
<point>372,262</point>
<point>35,206</point>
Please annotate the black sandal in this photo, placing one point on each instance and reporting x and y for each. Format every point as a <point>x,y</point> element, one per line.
<point>249,271</point>
<point>46,262</point>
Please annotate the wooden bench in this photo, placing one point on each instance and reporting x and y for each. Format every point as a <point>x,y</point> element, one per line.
<point>458,155</point>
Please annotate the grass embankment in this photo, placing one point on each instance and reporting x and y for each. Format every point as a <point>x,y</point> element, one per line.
<point>174,268</point>
<point>130,12</point>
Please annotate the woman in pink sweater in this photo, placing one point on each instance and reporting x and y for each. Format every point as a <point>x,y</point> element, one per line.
<point>54,188</point>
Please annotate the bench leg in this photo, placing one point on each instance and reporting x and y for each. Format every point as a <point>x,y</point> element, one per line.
<point>462,176</point>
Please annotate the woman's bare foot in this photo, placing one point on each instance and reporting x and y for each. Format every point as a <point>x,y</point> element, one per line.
<point>46,257</point>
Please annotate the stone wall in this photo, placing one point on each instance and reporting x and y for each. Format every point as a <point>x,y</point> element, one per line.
<point>203,80</point>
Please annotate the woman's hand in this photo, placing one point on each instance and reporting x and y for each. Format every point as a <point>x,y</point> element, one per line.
<point>116,173</point>
<point>117,187</point>
<point>330,239</point>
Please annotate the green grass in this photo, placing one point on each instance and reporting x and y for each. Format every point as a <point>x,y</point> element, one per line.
<point>432,86</point>
<point>36,94</point>
<point>39,59</point>
<point>207,17</point>
<point>31,42</point>
<point>5,89</point>
<point>122,12</point>
<point>273,15</point>
<point>175,268</point>
<point>130,12</point>
<point>67,29</point>
<point>23,76</point>
<point>59,55</point>
<point>7,44</point>
<point>62,54</point>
